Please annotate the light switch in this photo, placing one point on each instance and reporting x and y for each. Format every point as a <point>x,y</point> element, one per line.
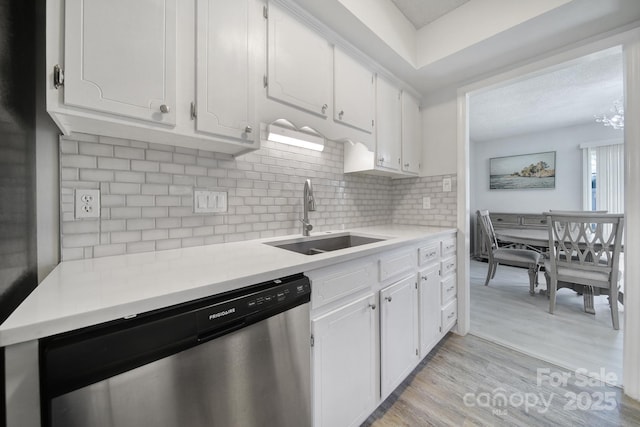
<point>201,200</point>
<point>206,201</point>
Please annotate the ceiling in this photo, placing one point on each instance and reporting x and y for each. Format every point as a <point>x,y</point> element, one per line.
<point>570,24</point>
<point>423,12</point>
<point>568,95</point>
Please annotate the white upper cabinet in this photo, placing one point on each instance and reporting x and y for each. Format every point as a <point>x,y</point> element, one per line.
<point>120,57</point>
<point>398,141</point>
<point>411,134</point>
<point>388,125</point>
<point>354,98</point>
<point>155,70</point>
<point>224,70</point>
<point>299,64</point>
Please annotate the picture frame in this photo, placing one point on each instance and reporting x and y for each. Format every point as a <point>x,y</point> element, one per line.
<point>523,171</point>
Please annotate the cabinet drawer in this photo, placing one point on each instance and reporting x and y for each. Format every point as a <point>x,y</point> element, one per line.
<point>448,247</point>
<point>333,283</point>
<point>448,290</point>
<point>429,253</point>
<point>449,315</point>
<point>498,219</point>
<point>396,263</point>
<point>448,266</point>
<point>534,221</point>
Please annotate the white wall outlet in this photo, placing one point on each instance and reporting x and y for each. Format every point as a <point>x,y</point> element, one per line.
<point>87,203</point>
<point>446,185</point>
<point>426,202</point>
<point>205,201</point>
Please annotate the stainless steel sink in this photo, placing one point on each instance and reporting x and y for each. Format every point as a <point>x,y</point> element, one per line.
<point>321,244</point>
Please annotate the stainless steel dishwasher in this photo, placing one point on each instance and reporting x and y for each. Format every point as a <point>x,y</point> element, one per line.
<point>239,359</point>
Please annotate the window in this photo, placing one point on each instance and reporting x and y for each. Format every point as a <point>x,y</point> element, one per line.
<point>604,177</point>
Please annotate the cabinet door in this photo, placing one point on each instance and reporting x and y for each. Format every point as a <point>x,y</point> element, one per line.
<point>120,57</point>
<point>388,125</point>
<point>411,134</point>
<point>354,97</point>
<point>299,64</point>
<point>399,332</point>
<point>225,101</point>
<point>430,326</point>
<point>344,364</point>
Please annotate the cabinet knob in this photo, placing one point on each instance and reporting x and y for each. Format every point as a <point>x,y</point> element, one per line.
<point>388,298</point>
<point>324,108</point>
<point>248,129</point>
<point>372,306</point>
<point>340,114</point>
<point>164,108</point>
<point>406,165</point>
<point>425,277</point>
<point>381,160</point>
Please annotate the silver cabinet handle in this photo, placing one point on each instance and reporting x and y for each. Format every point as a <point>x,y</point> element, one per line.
<point>406,165</point>
<point>388,298</point>
<point>425,277</point>
<point>340,114</point>
<point>373,306</point>
<point>324,108</point>
<point>248,129</point>
<point>164,109</point>
<point>381,160</point>
<point>58,76</point>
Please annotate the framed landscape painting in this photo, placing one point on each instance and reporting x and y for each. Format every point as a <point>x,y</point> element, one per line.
<point>524,171</point>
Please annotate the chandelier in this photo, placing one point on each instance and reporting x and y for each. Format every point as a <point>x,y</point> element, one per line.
<point>616,119</point>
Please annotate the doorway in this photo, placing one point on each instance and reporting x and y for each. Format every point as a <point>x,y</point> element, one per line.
<point>500,312</point>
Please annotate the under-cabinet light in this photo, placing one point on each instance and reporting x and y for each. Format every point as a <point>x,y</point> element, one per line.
<point>298,138</point>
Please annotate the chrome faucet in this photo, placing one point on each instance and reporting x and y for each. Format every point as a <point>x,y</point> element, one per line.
<point>309,204</point>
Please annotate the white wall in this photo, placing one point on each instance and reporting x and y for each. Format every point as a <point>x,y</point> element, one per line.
<point>480,19</point>
<point>439,133</point>
<point>47,167</point>
<point>568,192</point>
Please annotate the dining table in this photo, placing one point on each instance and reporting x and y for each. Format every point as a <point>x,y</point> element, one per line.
<point>538,240</point>
<point>533,238</point>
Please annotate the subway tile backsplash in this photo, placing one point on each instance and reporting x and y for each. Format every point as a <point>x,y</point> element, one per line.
<point>147,195</point>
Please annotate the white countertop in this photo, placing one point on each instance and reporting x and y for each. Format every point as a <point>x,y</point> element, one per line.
<point>87,292</point>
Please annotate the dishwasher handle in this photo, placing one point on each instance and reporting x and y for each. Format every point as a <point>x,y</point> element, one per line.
<point>215,333</point>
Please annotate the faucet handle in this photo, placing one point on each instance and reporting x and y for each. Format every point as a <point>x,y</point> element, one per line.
<point>306,224</point>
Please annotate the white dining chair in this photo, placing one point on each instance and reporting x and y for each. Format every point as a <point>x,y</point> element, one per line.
<point>526,258</point>
<point>584,253</point>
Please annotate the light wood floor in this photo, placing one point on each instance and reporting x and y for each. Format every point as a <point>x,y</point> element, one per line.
<point>457,383</point>
<point>505,313</point>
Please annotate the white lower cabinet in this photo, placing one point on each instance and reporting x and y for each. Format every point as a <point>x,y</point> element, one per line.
<point>372,320</point>
<point>344,364</point>
<point>398,332</point>
<point>430,325</point>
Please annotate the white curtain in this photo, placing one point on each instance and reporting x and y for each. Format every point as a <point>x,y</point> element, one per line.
<point>610,178</point>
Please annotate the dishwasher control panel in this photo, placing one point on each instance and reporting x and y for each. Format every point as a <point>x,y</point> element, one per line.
<point>261,303</point>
